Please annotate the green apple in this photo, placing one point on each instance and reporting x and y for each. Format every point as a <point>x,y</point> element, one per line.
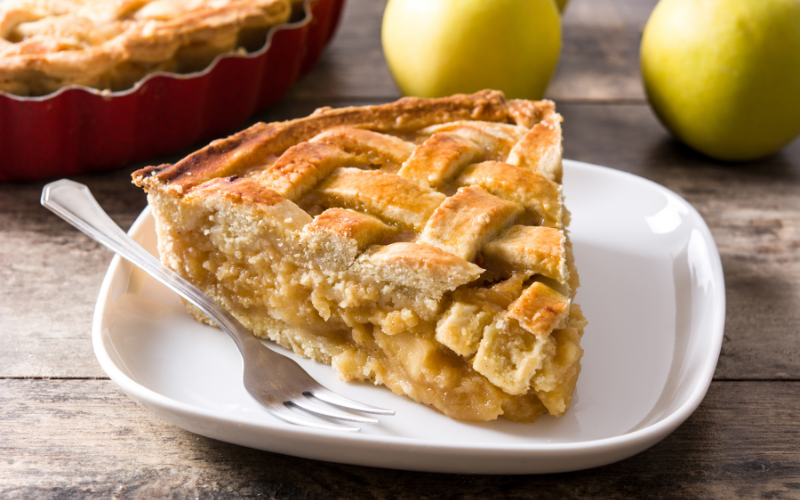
<point>724,75</point>
<point>442,47</point>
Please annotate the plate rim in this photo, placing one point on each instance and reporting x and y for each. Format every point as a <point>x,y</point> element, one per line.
<point>633,441</point>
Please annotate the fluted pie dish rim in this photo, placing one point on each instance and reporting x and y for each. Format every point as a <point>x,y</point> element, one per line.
<point>288,24</point>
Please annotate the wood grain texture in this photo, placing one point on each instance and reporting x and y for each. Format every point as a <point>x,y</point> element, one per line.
<point>599,58</point>
<point>83,439</point>
<point>51,275</point>
<point>753,211</point>
<point>600,51</point>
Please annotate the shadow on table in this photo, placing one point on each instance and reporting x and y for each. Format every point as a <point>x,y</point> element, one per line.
<point>680,466</point>
<point>671,152</point>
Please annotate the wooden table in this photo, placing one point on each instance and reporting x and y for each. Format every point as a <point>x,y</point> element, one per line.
<point>66,431</point>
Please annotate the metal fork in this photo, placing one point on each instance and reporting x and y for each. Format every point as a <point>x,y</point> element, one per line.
<point>274,380</point>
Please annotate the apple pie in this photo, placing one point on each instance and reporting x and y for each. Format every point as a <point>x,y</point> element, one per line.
<point>49,44</point>
<point>420,244</point>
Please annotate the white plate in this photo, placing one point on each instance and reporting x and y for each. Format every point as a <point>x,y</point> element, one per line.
<point>652,290</point>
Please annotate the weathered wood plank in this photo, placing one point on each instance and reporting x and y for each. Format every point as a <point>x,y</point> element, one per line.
<point>51,276</point>
<point>753,211</point>
<point>599,56</point>
<point>84,439</point>
<point>51,273</point>
<point>353,65</point>
<point>600,51</point>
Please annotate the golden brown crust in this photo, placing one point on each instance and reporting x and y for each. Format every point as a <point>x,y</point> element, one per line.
<point>302,167</point>
<point>385,195</point>
<point>540,150</point>
<point>49,44</point>
<point>336,237</point>
<point>396,230</point>
<point>529,113</point>
<point>369,147</point>
<point>257,144</point>
<point>421,267</point>
<point>466,220</point>
<point>536,193</point>
<point>439,158</point>
<point>364,229</point>
<point>495,139</point>
<point>540,310</point>
<point>238,190</point>
<point>529,250</point>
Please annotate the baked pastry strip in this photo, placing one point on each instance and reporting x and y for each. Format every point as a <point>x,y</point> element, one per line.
<point>417,244</point>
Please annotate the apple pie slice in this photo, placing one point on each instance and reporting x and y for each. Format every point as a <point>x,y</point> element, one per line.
<point>420,244</point>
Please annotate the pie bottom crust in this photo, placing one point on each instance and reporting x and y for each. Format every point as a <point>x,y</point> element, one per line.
<point>420,244</point>
<point>378,336</point>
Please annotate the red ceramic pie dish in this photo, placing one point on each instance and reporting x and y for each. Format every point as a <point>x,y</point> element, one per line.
<point>79,129</point>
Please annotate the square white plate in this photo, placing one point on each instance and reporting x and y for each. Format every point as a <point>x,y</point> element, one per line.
<point>652,290</point>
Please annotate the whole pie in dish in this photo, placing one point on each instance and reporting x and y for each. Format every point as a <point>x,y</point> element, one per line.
<point>49,44</point>
<point>420,244</point>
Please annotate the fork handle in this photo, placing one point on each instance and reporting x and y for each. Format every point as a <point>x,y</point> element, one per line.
<point>74,203</point>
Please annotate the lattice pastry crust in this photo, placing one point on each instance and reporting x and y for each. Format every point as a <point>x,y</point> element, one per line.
<point>105,44</point>
<point>419,244</point>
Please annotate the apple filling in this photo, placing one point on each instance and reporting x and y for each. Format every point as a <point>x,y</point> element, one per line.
<point>432,260</point>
